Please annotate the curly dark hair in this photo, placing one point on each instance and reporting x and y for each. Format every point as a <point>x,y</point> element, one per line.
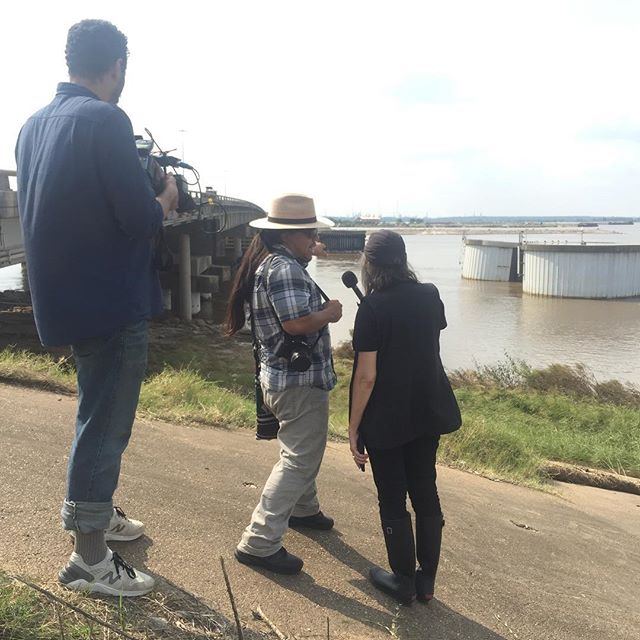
<point>93,46</point>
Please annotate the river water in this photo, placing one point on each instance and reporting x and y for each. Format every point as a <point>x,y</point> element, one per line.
<point>490,319</point>
<point>11,278</point>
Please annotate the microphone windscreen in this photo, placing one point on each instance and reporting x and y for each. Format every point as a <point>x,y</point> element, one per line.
<point>349,279</point>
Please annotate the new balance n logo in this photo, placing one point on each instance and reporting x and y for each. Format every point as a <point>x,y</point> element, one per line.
<point>110,577</point>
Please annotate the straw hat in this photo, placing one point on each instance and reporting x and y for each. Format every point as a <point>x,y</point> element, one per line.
<point>292,211</point>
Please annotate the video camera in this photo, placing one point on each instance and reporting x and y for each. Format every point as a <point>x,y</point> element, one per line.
<point>155,166</point>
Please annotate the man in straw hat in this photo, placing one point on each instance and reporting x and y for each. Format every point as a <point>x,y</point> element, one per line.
<point>286,306</point>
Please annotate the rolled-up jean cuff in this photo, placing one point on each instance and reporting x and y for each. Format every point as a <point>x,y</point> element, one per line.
<point>86,517</point>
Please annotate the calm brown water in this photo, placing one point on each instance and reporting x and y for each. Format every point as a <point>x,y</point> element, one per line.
<point>490,319</point>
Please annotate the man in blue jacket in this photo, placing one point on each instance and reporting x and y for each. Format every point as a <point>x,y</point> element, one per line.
<point>89,217</point>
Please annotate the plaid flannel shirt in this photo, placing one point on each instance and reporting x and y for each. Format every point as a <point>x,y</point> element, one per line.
<point>287,292</point>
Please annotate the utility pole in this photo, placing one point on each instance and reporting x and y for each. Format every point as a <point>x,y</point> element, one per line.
<point>182,132</point>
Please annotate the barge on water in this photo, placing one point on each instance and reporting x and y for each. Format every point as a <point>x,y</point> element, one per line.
<point>342,241</point>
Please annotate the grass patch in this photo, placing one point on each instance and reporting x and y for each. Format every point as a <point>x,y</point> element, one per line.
<point>339,408</point>
<point>26,614</point>
<point>187,396</point>
<point>226,361</point>
<point>575,381</point>
<point>38,370</point>
<point>511,433</point>
<point>204,379</point>
<point>515,417</point>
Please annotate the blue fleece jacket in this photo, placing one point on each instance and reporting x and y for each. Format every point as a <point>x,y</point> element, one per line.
<point>89,217</point>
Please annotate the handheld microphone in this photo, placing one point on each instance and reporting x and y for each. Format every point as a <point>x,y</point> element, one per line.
<point>350,280</point>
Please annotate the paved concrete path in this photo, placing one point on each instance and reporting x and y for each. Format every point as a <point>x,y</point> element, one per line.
<point>516,563</point>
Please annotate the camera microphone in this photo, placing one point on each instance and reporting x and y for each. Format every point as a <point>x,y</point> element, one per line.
<point>350,280</point>
<point>172,161</point>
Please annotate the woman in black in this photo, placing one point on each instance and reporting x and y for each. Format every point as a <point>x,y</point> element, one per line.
<point>401,402</point>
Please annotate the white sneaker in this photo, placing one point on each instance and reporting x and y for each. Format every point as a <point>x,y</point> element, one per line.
<point>123,529</point>
<point>112,577</point>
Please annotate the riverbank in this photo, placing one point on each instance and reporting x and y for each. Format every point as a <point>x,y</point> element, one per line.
<point>516,419</point>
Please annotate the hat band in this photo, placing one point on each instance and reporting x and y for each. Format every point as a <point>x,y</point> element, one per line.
<point>291,220</point>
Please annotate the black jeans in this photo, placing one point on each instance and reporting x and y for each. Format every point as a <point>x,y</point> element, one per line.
<point>411,469</point>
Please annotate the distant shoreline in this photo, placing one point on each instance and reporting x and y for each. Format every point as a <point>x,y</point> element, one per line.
<point>486,230</point>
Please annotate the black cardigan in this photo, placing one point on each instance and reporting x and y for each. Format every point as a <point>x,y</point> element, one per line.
<point>412,396</point>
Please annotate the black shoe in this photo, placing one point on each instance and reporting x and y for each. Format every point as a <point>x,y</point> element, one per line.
<point>318,521</point>
<point>401,588</point>
<point>280,562</point>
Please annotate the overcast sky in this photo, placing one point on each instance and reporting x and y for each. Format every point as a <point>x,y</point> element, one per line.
<point>438,108</point>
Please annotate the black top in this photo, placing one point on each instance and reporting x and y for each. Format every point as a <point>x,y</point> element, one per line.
<point>412,396</point>
<point>88,217</point>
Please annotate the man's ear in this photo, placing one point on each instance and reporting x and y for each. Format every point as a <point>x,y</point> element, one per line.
<point>117,69</point>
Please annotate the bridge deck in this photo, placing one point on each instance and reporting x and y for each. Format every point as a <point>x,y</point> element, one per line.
<point>226,212</point>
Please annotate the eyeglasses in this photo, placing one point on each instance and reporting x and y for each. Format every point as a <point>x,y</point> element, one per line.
<point>312,234</point>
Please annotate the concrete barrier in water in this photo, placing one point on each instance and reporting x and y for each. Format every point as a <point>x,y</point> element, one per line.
<point>562,271</point>
<point>491,260</point>
<point>582,271</point>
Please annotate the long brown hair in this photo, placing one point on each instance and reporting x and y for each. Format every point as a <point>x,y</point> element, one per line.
<point>376,277</point>
<point>242,287</point>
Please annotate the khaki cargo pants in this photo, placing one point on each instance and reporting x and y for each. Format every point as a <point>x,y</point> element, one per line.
<point>303,413</point>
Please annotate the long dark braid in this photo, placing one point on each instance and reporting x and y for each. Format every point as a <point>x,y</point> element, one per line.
<point>242,287</point>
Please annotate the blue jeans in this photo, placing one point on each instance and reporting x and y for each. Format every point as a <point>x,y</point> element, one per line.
<point>110,372</point>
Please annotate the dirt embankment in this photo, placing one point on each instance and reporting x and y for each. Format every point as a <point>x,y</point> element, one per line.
<point>17,327</point>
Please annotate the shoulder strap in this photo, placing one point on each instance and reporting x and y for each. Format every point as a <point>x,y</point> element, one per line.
<point>265,272</point>
<point>256,347</point>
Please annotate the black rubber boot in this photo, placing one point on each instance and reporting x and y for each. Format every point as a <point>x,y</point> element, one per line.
<point>400,583</point>
<point>428,543</point>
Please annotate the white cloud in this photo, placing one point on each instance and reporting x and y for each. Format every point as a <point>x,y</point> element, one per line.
<point>417,106</point>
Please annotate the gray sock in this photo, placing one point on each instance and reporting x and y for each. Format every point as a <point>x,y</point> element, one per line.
<point>91,547</point>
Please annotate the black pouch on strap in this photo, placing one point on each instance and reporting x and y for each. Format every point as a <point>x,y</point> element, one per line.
<point>267,424</point>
